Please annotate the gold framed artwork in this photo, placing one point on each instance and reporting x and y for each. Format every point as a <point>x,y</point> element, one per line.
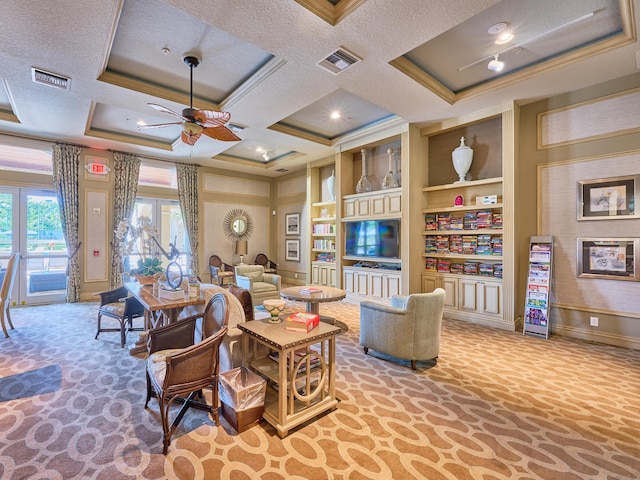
<point>608,258</point>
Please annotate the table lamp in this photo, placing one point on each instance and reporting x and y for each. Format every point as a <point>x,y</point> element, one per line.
<point>241,249</point>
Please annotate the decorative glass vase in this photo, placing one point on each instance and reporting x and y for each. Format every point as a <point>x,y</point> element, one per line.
<point>389,180</point>
<point>462,158</point>
<point>331,185</point>
<point>363,184</point>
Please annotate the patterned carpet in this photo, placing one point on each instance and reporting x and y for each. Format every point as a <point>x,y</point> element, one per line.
<point>496,406</point>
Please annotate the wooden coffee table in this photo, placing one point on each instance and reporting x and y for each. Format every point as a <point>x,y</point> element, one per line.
<point>313,300</point>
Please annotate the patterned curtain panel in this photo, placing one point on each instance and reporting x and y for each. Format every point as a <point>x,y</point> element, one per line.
<point>126,169</point>
<point>66,161</point>
<point>188,196</point>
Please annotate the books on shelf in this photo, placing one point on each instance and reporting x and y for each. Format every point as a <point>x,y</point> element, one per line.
<point>310,290</point>
<point>302,322</point>
<point>298,355</point>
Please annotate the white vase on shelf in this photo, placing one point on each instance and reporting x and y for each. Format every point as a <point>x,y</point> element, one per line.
<point>389,180</point>
<point>462,158</point>
<point>363,184</point>
<point>331,185</point>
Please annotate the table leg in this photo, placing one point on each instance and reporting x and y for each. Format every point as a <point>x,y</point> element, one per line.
<point>313,307</point>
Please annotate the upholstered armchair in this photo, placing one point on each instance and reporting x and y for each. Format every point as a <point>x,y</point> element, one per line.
<point>220,271</point>
<point>231,348</point>
<point>408,329</point>
<point>269,266</point>
<point>262,286</point>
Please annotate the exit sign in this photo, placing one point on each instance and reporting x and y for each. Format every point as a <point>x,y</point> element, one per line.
<point>97,168</point>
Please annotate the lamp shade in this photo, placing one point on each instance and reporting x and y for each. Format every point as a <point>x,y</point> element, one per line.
<point>241,247</point>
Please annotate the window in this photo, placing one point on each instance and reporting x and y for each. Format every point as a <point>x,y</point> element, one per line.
<point>23,159</point>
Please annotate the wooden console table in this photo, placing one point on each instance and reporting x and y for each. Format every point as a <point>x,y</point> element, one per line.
<point>313,391</point>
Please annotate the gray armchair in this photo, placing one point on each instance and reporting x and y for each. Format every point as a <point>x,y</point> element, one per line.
<point>261,286</point>
<point>408,329</point>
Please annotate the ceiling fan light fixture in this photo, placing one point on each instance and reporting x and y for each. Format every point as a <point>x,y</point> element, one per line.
<point>495,64</point>
<point>191,128</point>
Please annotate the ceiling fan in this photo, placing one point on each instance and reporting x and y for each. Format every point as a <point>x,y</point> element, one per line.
<point>197,122</point>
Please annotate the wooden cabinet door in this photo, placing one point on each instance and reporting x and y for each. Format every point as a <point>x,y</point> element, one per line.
<point>348,281</point>
<point>393,203</point>
<point>361,283</point>
<point>315,274</point>
<point>450,286</point>
<point>376,286</point>
<point>393,285</point>
<point>378,205</point>
<point>324,275</point>
<point>349,208</point>
<point>362,207</point>
<point>490,296</point>
<point>468,294</point>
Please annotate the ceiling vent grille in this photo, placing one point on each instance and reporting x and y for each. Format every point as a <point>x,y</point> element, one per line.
<point>282,170</point>
<point>50,79</point>
<point>338,61</point>
<point>234,127</point>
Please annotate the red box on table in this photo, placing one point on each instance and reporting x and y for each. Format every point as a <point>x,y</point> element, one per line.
<point>302,322</point>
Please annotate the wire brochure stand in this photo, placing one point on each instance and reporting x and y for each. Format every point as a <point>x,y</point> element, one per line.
<point>536,310</point>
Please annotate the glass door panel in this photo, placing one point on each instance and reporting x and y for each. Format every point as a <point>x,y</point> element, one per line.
<point>44,250</point>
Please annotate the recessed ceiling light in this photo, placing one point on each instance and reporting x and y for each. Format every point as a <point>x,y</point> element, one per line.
<point>497,28</point>
<point>335,115</point>
<point>141,123</point>
<point>504,38</point>
<point>259,149</point>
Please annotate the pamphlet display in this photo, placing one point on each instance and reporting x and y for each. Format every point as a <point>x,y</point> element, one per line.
<point>537,302</point>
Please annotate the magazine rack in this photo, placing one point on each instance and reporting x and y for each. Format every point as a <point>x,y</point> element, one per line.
<point>536,309</point>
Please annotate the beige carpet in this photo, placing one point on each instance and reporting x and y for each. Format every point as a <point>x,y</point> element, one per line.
<point>496,406</point>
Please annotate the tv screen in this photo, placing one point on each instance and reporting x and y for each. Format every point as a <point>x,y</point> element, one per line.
<point>373,238</point>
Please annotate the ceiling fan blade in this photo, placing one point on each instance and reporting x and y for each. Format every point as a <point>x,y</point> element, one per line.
<point>162,109</point>
<point>210,118</point>
<point>158,125</point>
<point>221,133</point>
<point>190,138</point>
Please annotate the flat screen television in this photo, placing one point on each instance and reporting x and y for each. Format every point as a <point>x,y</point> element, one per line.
<point>373,239</point>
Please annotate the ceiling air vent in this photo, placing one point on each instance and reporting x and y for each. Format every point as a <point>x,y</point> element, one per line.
<point>50,79</point>
<point>236,128</point>
<point>339,61</point>
<point>282,170</point>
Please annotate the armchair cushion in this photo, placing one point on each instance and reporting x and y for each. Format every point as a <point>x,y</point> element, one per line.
<point>409,328</point>
<point>262,286</point>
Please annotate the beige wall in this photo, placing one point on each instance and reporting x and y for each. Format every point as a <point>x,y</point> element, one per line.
<point>549,175</point>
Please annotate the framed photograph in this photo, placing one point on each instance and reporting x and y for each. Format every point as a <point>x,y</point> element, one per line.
<point>292,250</point>
<point>292,223</point>
<point>608,198</point>
<point>609,258</point>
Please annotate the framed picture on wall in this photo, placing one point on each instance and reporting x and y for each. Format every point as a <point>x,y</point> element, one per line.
<point>608,198</point>
<point>609,258</point>
<point>292,224</point>
<point>292,250</point>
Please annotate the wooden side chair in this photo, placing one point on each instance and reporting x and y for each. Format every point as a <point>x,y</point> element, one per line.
<point>118,304</point>
<point>268,265</point>
<point>220,271</point>
<point>176,367</point>
<point>6,290</point>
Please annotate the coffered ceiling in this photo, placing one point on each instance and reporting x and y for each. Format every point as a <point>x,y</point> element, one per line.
<point>413,61</point>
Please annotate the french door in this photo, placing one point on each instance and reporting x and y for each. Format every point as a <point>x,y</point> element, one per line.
<point>30,224</point>
<point>166,217</point>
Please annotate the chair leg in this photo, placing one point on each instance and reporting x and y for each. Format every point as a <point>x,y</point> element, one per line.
<point>98,332</point>
<point>4,328</point>
<point>413,364</point>
<point>9,317</point>
<point>366,350</point>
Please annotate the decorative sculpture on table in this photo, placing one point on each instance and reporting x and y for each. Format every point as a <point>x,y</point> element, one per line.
<point>462,158</point>
<point>389,180</point>
<point>173,272</point>
<point>363,184</point>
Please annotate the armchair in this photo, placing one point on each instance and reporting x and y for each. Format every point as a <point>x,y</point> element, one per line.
<point>123,307</point>
<point>175,372</point>
<point>231,348</point>
<point>269,266</point>
<point>408,329</point>
<point>220,271</point>
<point>261,285</point>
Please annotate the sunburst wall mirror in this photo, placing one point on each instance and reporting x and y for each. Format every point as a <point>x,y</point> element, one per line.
<point>237,225</point>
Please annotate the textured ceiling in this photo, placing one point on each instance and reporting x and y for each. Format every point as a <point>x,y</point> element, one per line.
<point>260,63</point>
